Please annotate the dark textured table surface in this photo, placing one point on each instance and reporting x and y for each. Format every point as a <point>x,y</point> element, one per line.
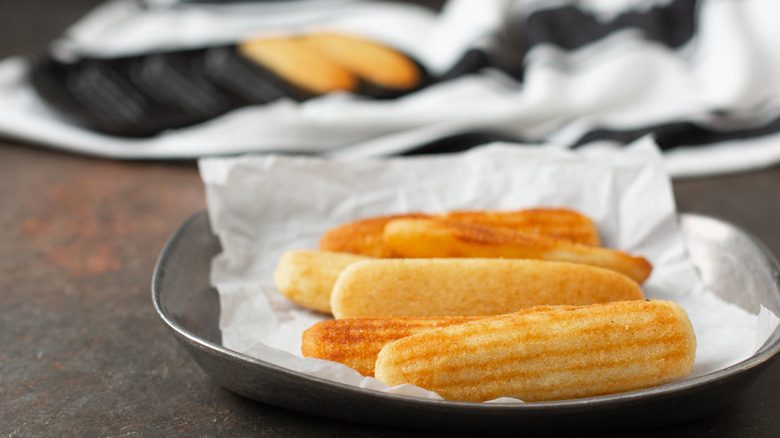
<point>82,351</point>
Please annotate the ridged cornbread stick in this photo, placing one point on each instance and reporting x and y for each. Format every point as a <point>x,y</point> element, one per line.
<point>306,277</point>
<point>363,236</point>
<point>556,354</point>
<point>474,286</point>
<point>429,238</point>
<point>355,342</point>
<point>366,236</point>
<point>557,223</point>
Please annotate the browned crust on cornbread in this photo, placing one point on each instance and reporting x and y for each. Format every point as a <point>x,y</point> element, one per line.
<point>365,236</point>
<point>471,286</point>
<point>372,62</point>
<point>560,353</point>
<point>355,342</point>
<point>428,238</point>
<point>557,223</point>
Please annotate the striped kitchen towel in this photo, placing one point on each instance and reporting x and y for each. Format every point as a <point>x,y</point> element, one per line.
<point>702,77</point>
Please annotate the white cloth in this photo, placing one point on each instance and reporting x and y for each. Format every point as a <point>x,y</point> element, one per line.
<point>714,71</point>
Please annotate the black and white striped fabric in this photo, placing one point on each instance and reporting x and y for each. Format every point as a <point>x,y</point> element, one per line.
<point>700,76</point>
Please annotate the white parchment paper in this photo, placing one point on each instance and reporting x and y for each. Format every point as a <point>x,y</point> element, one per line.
<point>262,206</point>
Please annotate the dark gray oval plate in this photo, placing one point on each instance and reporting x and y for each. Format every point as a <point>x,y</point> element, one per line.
<point>731,263</point>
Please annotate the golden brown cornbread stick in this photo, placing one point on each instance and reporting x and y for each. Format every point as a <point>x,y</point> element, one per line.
<point>470,286</point>
<point>370,61</point>
<point>355,342</point>
<point>558,223</point>
<point>306,276</point>
<point>551,355</point>
<point>365,236</point>
<point>297,63</point>
<point>426,238</point>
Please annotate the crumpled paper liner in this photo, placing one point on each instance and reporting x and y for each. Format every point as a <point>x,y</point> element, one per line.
<point>262,206</point>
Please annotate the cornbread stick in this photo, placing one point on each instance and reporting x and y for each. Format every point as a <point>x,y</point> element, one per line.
<point>560,353</point>
<point>370,61</point>
<point>298,64</point>
<point>473,286</point>
<point>306,277</point>
<point>558,223</point>
<point>426,238</point>
<point>364,236</point>
<point>355,342</point>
